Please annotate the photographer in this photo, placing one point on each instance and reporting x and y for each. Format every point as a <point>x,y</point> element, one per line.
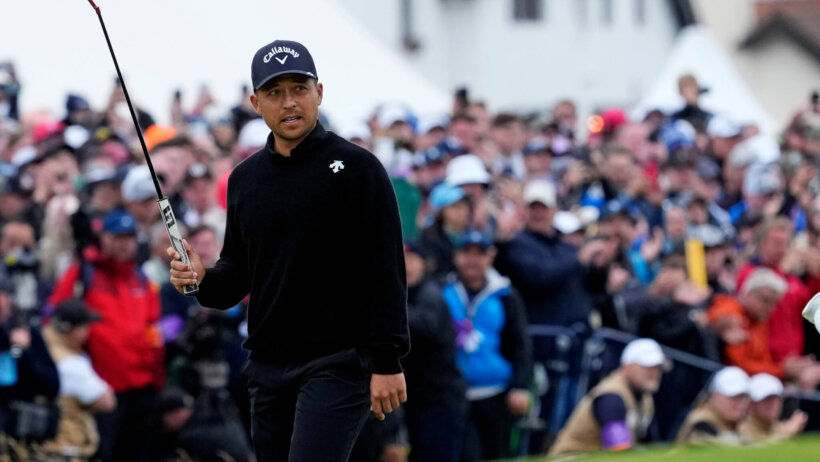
<point>21,265</point>
<point>28,377</point>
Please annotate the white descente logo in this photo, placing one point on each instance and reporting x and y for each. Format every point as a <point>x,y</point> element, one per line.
<point>276,50</point>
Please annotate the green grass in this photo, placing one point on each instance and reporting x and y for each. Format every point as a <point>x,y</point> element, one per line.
<point>804,448</point>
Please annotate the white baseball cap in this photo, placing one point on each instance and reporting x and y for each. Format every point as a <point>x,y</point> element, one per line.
<point>392,113</point>
<point>730,381</point>
<point>540,191</point>
<point>757,149</point>
<point>761,386</point>
<point>352,129</point>
<point>467,169</point>
<point>722,127</point>
<point>643,352</point>
<point>812,311</point>
<point>138,184</point>
<point>254,134</point>
<point>566,222</point>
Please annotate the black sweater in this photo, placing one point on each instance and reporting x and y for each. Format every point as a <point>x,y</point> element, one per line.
<point>315,238</point>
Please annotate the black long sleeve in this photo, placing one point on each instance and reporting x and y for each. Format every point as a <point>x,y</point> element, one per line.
<point>37,372</point>
<point>315,238</point>
<point>515,343</point>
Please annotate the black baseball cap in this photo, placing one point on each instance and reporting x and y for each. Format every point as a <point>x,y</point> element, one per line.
<point>72,313</point>
<point>278,58</point>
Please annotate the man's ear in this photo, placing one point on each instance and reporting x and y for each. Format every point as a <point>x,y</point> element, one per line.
<point>320,88</point>
<point>255,103</point>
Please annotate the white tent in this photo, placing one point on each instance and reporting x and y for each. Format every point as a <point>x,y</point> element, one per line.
<point>696,52</point>
<point>57,46</point>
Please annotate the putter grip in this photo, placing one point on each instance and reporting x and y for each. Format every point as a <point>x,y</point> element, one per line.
<point>176,239</point>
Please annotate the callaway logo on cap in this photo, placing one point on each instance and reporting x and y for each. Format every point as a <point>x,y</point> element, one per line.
<point>278,58</point>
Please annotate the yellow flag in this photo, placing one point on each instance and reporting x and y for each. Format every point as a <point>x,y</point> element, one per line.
<point>696,262</point>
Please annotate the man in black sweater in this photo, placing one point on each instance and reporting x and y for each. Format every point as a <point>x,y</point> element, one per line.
<point>313,234</point>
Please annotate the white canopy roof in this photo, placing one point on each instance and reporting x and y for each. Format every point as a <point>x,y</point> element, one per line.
<point>696,52</point>
<point>58,47</point>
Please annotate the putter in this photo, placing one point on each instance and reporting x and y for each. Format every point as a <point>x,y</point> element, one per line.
<point>164,204</point>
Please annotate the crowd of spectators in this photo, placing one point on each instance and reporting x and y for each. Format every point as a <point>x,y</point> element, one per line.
<point>689,228</point>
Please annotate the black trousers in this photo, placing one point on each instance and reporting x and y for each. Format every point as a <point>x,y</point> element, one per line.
<point>311,411</point>
<point>130,432</point>
<point>488,430</point>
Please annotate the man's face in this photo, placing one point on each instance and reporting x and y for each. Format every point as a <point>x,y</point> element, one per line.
<point>620,170</point>
<point>119,247</point>
<point>767,410</point>
<point>401,131</point>
<point>509,137</point>
<point>475,191</point>
<point>465,133</point>
<point>539,218</point>
<point>456,216</point>
<point>79,334</point>
<point>172,162</point>
<point>430,173</point>
<point>564,115</point>
<point>721,147</point>
<point>715,259</point>
<point>415,268</point>
<point>289,105</point>
<point>730,408</point>
<point>733,178</point>
<point>698,214</point>
<point>145,212</point>
<point>199,193</point>
<point>644,379</point>
<point>760,303</point>
<point>472,261</point>
<point>774,245</point>
<point>11,205</point>
<point>106,196</point>
<point>205,244</point>
<point>675,223</point>
<point>16,236</point>
<point>677,179</point>
<point>690,93</point>
<point>538,163</point>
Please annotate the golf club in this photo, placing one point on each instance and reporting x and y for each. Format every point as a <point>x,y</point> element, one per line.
<point>164,204</point>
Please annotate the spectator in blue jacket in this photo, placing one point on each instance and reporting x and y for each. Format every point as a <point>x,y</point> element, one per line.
<point>492,347</point>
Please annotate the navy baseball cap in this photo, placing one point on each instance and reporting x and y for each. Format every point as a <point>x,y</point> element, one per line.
<point>474,237</point>
<point>119,221</point>
<point>278,58</point>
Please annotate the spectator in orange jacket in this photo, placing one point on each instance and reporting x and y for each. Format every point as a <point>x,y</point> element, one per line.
<point>743,323</point>
<point>126,347</point>
<point>774,252</point>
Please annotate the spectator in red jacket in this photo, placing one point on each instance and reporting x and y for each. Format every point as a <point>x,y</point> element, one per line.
<point>125,347</point>
<point>743,324</point>
<point>786,336</point>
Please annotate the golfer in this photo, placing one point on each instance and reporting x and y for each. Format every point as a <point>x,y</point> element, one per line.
<point>313,235</point>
